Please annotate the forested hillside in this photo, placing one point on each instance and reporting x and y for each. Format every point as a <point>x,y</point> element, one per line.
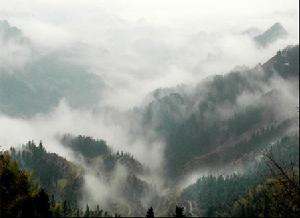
<point>212,126</point>
<point>60,177</point>
<point>64,180</point>
<point>227,195</point>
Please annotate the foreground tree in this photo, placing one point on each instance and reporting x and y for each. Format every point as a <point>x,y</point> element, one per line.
<point>179,212</point>
<point>150,213</point>
<point>19,197</point>
<point>276,197</point>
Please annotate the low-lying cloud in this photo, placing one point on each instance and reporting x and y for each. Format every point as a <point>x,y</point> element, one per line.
<point>134,48</point>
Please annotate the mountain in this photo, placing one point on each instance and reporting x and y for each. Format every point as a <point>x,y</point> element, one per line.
<point>275,32</point>
<point>285,64</point>
<point>106,165</point>
<point>55,174</point>
<point>92,149</point>
<point>42,80</point>
<point>42,84</point>
<point>224,126</point>
<point>217,195</point>
<point>225,117</point>
<point>66,180</point>
<point>221,125</point>
<point>11,33</point>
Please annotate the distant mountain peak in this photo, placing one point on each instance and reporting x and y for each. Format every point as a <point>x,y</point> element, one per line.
<point>9,32</point>
<point>4,24</point>
<point>277,27</point>
<point>275,32</point>
<point>7,29</point>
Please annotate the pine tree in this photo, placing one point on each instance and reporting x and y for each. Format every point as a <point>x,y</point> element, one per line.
<point>179,212</point>
<point>52,201</point>
<point>150,213</point>
<point>87,211</point>
<point>77,212</point>
<point>65,208</point>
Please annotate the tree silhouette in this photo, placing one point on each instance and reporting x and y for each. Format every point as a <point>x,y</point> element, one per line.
<point>42,204</point>
<point>18,195</point>
<point>150,213</point>
<point>87,211</point>
<point>65,208</point>
<point>179,212</point>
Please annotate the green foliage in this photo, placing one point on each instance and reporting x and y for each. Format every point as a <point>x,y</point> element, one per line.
<point>65,209</point>
<point>57,175</point>
<point>276,197</point>
<point>86,145</point>
<point>19,197</point>
<point>124,158</point>
<point>64,180</point>
<point>210,117</point>
<point>215,194</point>
<point>285,63</point>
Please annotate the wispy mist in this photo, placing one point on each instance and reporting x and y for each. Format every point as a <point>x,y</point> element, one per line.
<point>135,48</point>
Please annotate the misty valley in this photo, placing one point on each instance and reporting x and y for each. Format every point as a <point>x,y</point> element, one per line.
<point>147,121</point>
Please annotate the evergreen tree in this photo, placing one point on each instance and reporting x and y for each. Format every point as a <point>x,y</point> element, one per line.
<point>18,195</point>
<point>179,212</point>
<point>65,208</point>
<point>150,213</point>
<point>42,204</point>
<point>52,201</point>
<point>87,211</point>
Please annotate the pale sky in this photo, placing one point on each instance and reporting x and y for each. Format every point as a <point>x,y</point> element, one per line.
<point>67,18</point>
<point>144,45</point>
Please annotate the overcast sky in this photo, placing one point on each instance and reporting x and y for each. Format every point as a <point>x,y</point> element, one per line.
<point>143,45</point>
<point>81,19</point>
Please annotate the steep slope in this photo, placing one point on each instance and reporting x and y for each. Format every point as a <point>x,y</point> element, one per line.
<point>93,149</point>
<point>275,32</point>
<point>35,83</point>
<point>58,176</point>
<point>285,63</point>
<point>225,117</point>
<point>119,171</point>
<point>214,195</point>
<point>66,181</point>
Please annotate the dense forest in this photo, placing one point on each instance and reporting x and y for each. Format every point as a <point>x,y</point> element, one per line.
<point>181,119</point>
<point>269,187</point>
<point>231,195</point>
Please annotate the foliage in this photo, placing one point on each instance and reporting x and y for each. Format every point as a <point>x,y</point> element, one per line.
<point>215,194</point>
<point>86,145</point>
<point>19,196</point>
<point>179,212</point>
<point>150,213</point>
<point>58,176</point>
<point>277,197</point>
<point>210,117</point>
